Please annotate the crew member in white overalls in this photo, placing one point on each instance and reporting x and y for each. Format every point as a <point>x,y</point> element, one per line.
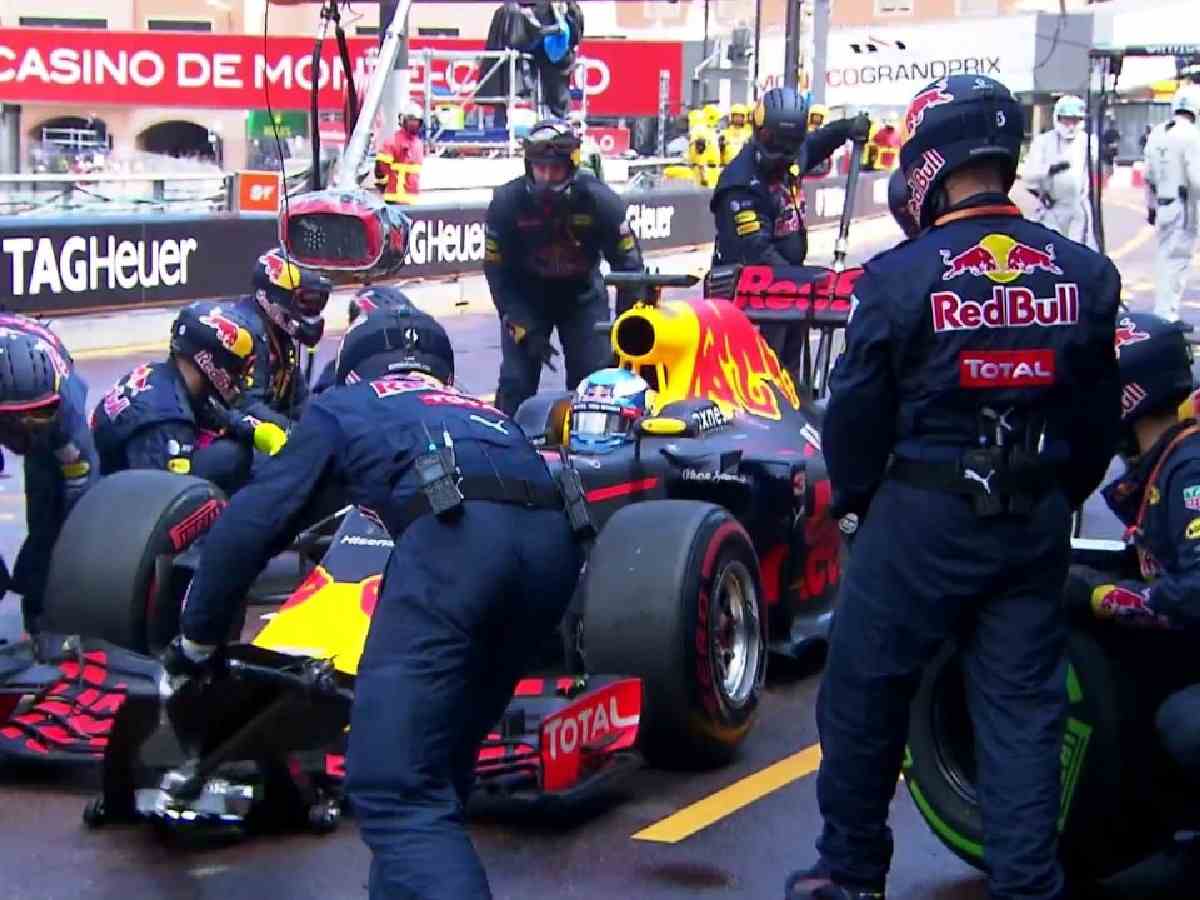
<point>1056,173</point>
<point>1173,198</point>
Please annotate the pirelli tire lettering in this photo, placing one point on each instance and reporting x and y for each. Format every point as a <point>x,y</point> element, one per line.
<point>80,264</point>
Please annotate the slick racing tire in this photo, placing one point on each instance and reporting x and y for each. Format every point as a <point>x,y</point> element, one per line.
<point>105,569</point>
<point>544,417</point>
<point>1105,769</point>
<point>672,596</point>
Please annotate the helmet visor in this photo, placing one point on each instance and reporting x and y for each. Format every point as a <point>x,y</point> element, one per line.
<point>599,423</point>
<point>310,301</point>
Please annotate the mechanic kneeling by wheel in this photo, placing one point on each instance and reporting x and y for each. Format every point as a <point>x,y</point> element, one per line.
<point>484,563</point>
<point>546,233</point>
<point>1158,500</point>
<point>173,415</point>
<point>999,422</point>
<point>759,199</point>
<point>43,418</point>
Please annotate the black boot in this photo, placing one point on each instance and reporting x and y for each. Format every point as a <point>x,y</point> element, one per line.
<point>816,884</point>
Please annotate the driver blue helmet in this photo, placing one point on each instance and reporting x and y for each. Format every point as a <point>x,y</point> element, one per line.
<point>606,405</point>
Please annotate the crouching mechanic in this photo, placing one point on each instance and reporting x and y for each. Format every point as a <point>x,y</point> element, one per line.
<point>1158,500</point>
<point>169,415</point>
<point>759,204</point>
<point>546,233</point>
<point>283,314</point>
<point>483,565</point>
<point>366,301</point>
<point>42,418</point>
<point>1001,401</point>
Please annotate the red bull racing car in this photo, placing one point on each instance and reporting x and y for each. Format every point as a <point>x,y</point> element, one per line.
<point>714,548</point>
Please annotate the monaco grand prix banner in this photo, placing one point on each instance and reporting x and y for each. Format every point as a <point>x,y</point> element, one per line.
<point>86,68</point>
<point>80,264</point>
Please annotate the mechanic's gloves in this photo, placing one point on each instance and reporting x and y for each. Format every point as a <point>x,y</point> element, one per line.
<point>187,659</point>
<point>1152,215</point>
<point>535,343</point>
<point>269,438</point>
<point>1059,167</point>
<point>1090,593</point>
<point>220,417</point>
<point>860,127</point>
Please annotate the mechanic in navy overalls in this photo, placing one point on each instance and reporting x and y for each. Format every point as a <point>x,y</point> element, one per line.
<point>758,202</point>
<point>43,418</point>
<point>472,589</point>
<point>365,300</point>
<point>171,415</point>
<point>283,312</point>
<point>976,404</point>
<point>1158,500</point>
<point>546,234</point>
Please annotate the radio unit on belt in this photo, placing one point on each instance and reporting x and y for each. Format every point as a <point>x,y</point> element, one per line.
<point>439,476</point>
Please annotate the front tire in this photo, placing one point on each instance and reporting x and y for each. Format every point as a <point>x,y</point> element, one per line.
<point>672,596</point>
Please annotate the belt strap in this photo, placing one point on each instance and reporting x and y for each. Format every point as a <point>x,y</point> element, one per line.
<point>954,478</point>
<point>515,491</point>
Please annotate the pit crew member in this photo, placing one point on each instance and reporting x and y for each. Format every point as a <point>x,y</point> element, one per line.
<point>546,233</point>
<point>364,302</point>
<point>283,314</point>
<point>1158,500</point>
<point>483,565</point>
<point>758,203</point>
<point>984,346</point>
<point>170,415</point>
<point>42,418</point>
<point>398,162</point>
<point>1056,173</point>
<point>1173,196</point>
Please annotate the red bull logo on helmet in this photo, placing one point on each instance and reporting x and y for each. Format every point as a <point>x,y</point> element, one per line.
<point>920,178</point>
<point>233,337</point>
<point>1009,307</point>
<point>934,95</point>
<point>282,273</point>
<point>1127,333</point>
<point>999,258</point>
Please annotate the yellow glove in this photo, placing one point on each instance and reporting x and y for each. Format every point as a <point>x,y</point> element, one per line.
<point>269,438</point>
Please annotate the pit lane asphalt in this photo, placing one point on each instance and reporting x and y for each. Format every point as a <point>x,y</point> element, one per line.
<point>46,853</point>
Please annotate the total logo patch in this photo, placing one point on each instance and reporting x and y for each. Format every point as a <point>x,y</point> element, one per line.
<point>1005,368</point>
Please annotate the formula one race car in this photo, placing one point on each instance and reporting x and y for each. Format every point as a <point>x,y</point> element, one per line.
<point>713,534</point>
<point>1122,798</point>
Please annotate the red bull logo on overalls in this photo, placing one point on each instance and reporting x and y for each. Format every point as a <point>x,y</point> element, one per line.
<point>999,258</point>
<point>1009,307</point>
<point>1127,333</point>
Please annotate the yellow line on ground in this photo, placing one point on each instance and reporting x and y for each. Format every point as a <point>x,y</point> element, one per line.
<point>1133,243</point>
<point>702,813</point>
<point>127,350</point>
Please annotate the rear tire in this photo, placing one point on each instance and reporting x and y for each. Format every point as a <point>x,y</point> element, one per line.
<point>102,581</point>
<point>1106,762</point>
<point>672,596</point>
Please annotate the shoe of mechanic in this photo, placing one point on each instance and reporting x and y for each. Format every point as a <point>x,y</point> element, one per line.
<point>816,884</point>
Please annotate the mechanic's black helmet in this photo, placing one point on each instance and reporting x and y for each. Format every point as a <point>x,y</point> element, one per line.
<point>293,298</point>
<point>953,122</point>
<point>780,124</point>
<point>898,204</point>
<point>1155,360</point>
<point>551,140</point>
<point>31,373</point>
<point>377,297</point>
<point>217,343</point>
<point>391,342</point>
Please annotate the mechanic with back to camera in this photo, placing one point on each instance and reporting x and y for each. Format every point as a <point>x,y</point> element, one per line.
<point>484,562</point>
<point>546,234</point>
<point>42,418</point>
<point>283,313</point>
<point>1158,500</point>
<point>985,346</point>
<point>171,415</point>
<point>365,301</point>
<point>759,199</point>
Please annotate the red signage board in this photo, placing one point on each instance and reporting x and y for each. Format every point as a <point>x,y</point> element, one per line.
<point>89,67</point>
